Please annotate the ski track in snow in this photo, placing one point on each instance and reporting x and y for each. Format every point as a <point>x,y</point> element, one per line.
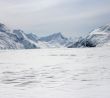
<point>55,73</point>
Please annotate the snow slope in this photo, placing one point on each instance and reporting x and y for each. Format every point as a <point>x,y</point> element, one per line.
<point>22,38</point>
<point>100,36</point>
<point>97,38</point>
<point>55,73</point>
<point>15,39</point>
<point>33,37</point>
<point>6,42</point>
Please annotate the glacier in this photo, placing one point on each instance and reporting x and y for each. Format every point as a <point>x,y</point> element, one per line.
<point>55,73</point>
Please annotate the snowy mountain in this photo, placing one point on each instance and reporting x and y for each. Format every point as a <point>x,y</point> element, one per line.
<point>56,40</point>
<point>100,36</point>
<point>17,39</point>
<point>6,42</point>
<point>33,37</point>
<point>23,39</point>
<point>14,40</point>
<point>97,38</point>
<point>78,43</point>
<point>3,28</point>
<point>7,39</point>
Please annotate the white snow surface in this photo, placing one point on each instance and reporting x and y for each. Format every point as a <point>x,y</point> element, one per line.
<point>55,73</point>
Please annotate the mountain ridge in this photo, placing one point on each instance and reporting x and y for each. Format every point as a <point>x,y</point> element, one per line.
<point>97,38</point>
<point>18,39</point>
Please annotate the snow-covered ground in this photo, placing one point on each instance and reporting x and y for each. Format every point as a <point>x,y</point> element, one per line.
<point>55,73</point>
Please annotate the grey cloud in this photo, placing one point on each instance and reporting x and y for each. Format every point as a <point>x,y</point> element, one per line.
<point>45,16</point>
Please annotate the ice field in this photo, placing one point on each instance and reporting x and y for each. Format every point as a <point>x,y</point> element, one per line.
<point>55,73</point>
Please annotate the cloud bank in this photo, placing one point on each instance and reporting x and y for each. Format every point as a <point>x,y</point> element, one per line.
<point>73,17</point>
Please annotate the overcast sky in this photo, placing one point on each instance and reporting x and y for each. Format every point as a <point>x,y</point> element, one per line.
<point>72,17</point>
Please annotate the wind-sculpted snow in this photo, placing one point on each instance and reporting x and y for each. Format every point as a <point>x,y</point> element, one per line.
<point>47,76</point>
<point>55,73</point>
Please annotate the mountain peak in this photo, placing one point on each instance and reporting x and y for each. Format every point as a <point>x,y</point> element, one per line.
<point>59,33</point>
<point>3,28</point>
<point>51,37</point>
<point>105,28</point>
<point>19,33</point>
<point>32,36</point>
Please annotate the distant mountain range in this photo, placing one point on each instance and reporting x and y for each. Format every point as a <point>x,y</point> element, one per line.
<point>18,39</point>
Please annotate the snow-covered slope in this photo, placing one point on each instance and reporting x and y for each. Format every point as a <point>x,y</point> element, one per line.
<point>7,39</point>
<point>78,43</point>
<point>23,39</point>
<point>97,38</point>
<point>100,36</point>
<point>6,42</point>
<point>55,73</point>
<point>14,40</point>
<point>33,37</point>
